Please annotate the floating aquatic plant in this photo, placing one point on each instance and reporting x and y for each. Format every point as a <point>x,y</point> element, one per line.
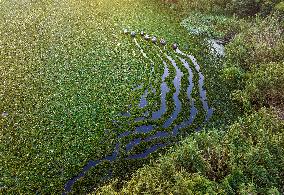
<point>149,128</point>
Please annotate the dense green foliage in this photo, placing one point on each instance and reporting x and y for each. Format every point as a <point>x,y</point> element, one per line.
<point>243,8</point>
<point>253,64</point>
<point>213,26</point>
<point>67,71</point>
<point>263,87</point>
<point>247,159</point>
<point>261,42</point>
<point>256,56</point>
<point>248,156</point>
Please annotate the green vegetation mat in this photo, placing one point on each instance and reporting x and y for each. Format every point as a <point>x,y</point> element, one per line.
<point>69,77</point>
<point>67,71</point>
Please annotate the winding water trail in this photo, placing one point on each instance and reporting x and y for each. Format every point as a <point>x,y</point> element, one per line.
<point>143,100</point>
<point>148,151</point>
<point>132,144</point>
<point>164,90</point>
<point>202,91</point>
<point>86,168</point>
<point>193,111</point>
<point>177,85</point>
<point>145,129</point>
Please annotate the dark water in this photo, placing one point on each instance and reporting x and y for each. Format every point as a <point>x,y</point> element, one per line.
<point>159,134</point>
<point>126,114</point>
<point>124,134</point>
<point>143,101</point>
<point>164,90</point>
<point>71,182</point>
<point>148,151</point>
<point>132,144</point>
<point>202,91</point>
<point>187,122</point>
<point>177,84</point>
<point>145,129</point>
<point>193,110</point>
<point>87,167</point>
<point>142,118</point>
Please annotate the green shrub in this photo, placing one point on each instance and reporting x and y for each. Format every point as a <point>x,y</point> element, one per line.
<point>268,6</point>
<point>279,6</point>
<point>259,52</point>
<point>214,26</point>
<point>279,9</point>
<point>244,7</point>
<point>234,76</point>
<point>248,159</point>
<point>202,5</point>
<point>262,43</point>
<point>264,86</point>
<point>185,7</point>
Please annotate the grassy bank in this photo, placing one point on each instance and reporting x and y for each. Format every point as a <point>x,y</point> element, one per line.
<point>245,159</point>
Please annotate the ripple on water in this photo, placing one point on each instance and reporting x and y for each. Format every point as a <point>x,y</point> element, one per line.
<point>202,91</point>
<point>148,151</point>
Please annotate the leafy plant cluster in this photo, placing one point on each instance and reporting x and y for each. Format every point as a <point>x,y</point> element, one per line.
<point>214,26</point>
<point>256,56</point>
<point>67,72</point>
<point>242,8</point>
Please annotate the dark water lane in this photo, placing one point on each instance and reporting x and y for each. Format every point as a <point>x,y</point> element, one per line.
<point>193,110</point>
<point>202,91</point>
<point>177,85</point>
<point>164,90</point>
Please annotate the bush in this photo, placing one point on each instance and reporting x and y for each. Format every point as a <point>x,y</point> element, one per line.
<point>245,8</point>
<point>184,7</point>
<point>234,76</point>
<point>262,43</point>
<point>279,6</point>
<point>249,158</point>
<point>268,6</point>
<point>264,86</point>
<point>254,65</point>
<point>214,26</point>
<point>242,8</point>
